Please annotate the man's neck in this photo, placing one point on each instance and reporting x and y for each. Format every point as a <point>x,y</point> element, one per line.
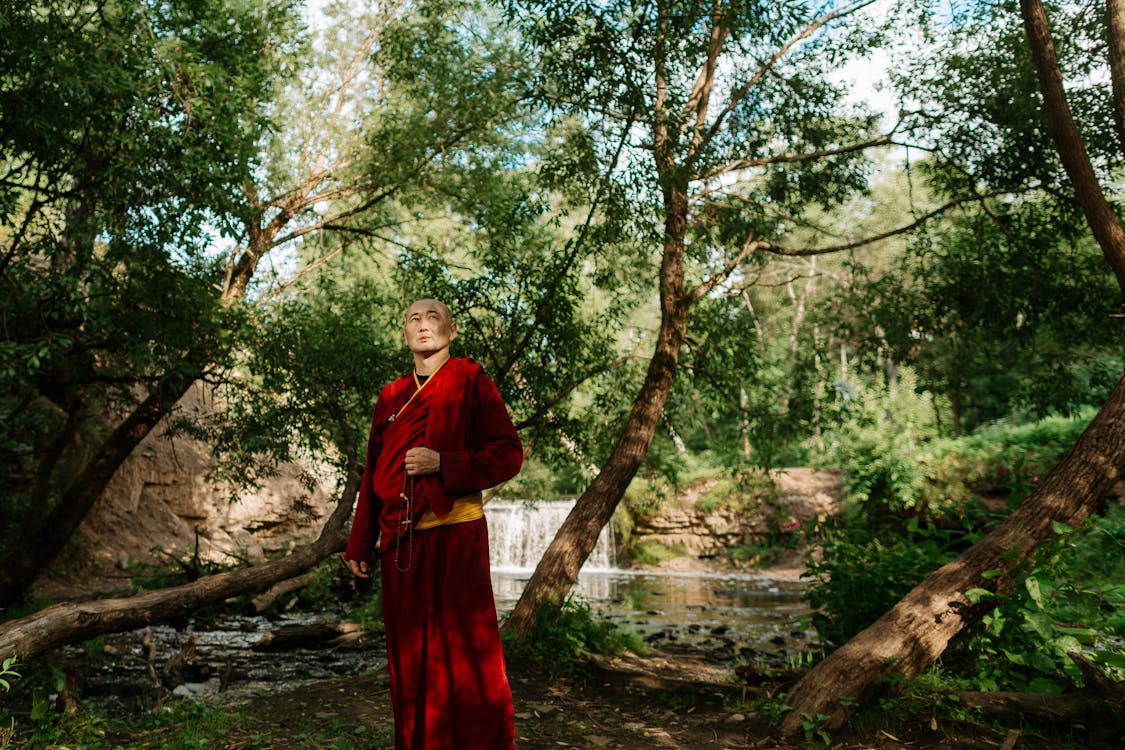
<point>426,364</point>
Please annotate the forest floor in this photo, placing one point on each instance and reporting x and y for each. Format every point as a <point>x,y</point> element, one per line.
<point>671,698</point>
<point>585,710</point>
<point>677,697</point>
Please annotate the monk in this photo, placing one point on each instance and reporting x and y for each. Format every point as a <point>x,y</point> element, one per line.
<point>439,436</point>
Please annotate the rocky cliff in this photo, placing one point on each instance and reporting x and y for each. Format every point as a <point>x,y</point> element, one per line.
<point>802,495</point>
<point>163,506</point>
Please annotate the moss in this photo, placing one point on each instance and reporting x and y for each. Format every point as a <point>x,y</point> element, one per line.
<point>653,553</point>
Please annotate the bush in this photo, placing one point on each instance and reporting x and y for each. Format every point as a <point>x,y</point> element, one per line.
<point>860,574</point>
<point>895,465</point>
<point>877,443</point>
<point>1070,599</point>
<point>743,490</point>
<point>654,553</point>
<point>999,459</point>
<point>563,636</point>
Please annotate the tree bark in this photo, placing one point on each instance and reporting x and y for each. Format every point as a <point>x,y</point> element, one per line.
<point>915,632</point>
<point>1115,37</point>
<point>69,622</point>
<point>557,571</point>
<point>1068,140</point>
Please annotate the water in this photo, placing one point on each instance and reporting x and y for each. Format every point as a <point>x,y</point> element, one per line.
<point>737,612</point>
<point>732,615</point>
<point>520,531</point>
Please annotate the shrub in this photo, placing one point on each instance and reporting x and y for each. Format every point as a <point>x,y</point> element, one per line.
<point>860,574</point>
<point>1070,599</point>
<point>563,636</point>
<point>654,553</point>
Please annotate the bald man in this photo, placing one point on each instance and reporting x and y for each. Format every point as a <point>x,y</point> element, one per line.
<point>439,436</point>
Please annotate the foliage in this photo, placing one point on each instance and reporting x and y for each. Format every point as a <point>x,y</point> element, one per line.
<point>978,101</point>
<point>894,461</point>
<point>858,574</point>
<point>999,459</point>
<point>1069,599</point>
<point>877,441</point>
<point>311,368</point>
<point>654,553</point>
<point>744,491</point>
<point>748,394</point>
<point>1001,312</point>
<point>564,635</point>
<point>7,671</point>
<point>126,135</point>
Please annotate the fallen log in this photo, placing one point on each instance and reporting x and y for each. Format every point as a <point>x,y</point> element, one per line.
<point>265,600</point>
<point>314,635</point>
<point>70,622</point>
<point>666,675</point>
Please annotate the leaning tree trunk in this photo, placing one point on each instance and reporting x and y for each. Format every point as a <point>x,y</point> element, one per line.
<point>558,569</point>
<point>1071,147</point>
<point>912,635</point>
<point>69,622</point>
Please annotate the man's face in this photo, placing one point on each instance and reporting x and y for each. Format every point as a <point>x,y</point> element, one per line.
<point>429,327</point>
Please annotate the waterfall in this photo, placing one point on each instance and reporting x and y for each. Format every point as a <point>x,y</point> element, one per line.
<point>519,533</point>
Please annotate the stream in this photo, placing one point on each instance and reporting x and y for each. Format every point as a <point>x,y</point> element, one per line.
<point>731,616</point>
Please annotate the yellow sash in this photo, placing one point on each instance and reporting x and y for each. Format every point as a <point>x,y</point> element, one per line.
<point>468,508</point>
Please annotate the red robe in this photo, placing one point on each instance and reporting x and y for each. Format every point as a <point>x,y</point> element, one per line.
<point>449,686</point>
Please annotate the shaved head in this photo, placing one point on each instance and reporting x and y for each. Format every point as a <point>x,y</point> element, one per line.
<point>427,303</point>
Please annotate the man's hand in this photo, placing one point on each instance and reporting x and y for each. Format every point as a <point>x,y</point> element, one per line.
<point>359,568</point>
<point>422,461</point>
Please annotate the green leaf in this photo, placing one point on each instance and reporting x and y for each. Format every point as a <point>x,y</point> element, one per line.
<point>977,595</point>
<point>988,575</point>
<point>1110,659</point>
<point>1043,686</point>
<point>1016,658</point>
<point>1088,634</point>
<point>1060,528</point>
<point>1040,623</point>
<point>1032,586</point>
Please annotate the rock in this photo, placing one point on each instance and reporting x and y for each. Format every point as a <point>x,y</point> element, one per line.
<point>803,496</point>
<point>163,505</point>
<point>190,690</point>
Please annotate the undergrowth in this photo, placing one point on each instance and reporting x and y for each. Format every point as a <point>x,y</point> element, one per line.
<point>564,636</point>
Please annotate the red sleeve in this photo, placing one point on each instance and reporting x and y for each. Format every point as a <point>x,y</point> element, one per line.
<point>365,525</point>
<point>496,454</point>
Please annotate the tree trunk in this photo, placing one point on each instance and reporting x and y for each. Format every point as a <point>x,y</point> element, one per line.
<point>69,622</point>
<point>913,634</point>
<point>44,538</point>
<point>1115,36</point>
<point>1068,140</point>
<point>558,569</point>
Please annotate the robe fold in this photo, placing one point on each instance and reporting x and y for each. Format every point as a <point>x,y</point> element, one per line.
<point>449,685</point>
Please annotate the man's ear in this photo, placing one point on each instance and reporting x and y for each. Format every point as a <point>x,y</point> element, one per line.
<point>452,331</point>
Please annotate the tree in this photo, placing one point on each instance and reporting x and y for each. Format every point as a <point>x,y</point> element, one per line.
<point>312,369</point>
<point>995,310</point>
<point>139,137</point>
<point>733,132</point>
<point>914,633</point>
